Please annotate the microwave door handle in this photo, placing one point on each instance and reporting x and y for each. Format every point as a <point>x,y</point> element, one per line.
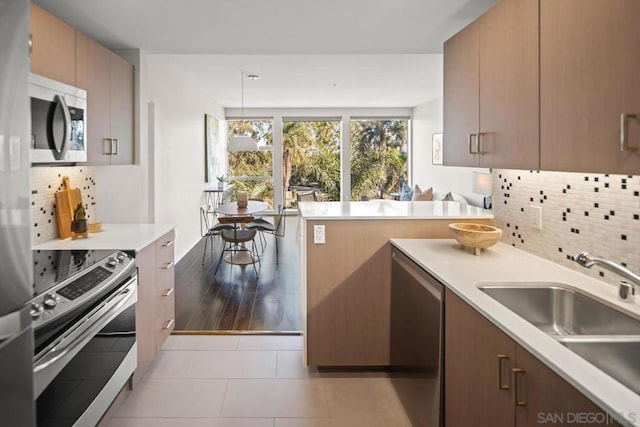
<point>60,147</point>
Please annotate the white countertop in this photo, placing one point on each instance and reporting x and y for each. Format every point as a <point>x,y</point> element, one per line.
<point>389,209</point>
<point>461,271</point>
<point>113,236</point>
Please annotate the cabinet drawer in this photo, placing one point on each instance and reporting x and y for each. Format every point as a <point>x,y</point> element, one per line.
<point>164,249</point>
<point>166,317</point>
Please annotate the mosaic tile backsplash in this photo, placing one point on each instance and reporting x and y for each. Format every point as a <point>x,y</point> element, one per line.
<point>596,213</point>
<point>45,182</point>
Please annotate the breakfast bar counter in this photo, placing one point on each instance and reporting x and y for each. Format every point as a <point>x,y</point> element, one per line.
<point>390,209</point>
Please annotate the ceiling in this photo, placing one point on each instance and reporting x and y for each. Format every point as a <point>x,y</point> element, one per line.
<point>315,54</point>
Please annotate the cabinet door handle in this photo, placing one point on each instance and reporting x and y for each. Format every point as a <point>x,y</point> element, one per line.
<point>501,384</point>
<point>169,243</point>
<point>624,131</point>
<point>168,325</point>
<point>168,265</point>
<point>480,138</point>
<point>114,143</point>
<point>517,401</point>
<point>167,292</point>
<point>107,146</point>
<point>471,135</point>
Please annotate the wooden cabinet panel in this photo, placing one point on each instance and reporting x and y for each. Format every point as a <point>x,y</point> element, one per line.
<point>474,373</point>
<point>165,283</point>
<point>121,79</point>
<point>491,89</point>
<point>108,80</point>
<point>93,76</point>
<point>146,309</point>
<point>155,310</point>
<point>348,287</point>
<point>473,369</point>
<point>590,75</point>
<point>509,85</point>
<point>53,53</point>
<point>461,96</point>
<point>551,399</point>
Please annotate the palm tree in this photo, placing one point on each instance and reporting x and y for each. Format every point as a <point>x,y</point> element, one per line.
<point>378,156</point>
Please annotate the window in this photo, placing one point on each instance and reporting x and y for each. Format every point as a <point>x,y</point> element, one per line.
<point>379,151</point>
<point>252,171</point>
<point>311,160</point>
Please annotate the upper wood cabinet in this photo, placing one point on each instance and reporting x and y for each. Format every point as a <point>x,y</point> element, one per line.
<point>108,80</point>
<point>590,77</point>
<point>461,97</point>
<point>53,52</point>
<point>491,89</point>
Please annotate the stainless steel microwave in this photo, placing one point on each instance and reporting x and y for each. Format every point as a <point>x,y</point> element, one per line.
<point>58,121</point>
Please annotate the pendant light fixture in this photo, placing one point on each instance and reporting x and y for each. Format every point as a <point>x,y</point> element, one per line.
<point>243,142</point>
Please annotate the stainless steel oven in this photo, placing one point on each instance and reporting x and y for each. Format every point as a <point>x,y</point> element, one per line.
<point>84,331</point>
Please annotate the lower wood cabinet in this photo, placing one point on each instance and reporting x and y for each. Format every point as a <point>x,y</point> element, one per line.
<point>155,310</point>
<point>492,381</point>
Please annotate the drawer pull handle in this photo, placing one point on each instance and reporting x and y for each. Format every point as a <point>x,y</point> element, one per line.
<point>167,292</point>
<point>168,325</point>
<point>517,401</point>
<point>168,265</point>
<point>501,384</point>
<point>624,131</point>
<point>167,244</point>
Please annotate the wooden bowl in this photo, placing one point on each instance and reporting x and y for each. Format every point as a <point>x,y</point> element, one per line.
<point>476,236</point>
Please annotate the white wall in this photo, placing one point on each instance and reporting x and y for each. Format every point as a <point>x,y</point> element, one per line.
<point>177,146</point>
<point>427,120</point>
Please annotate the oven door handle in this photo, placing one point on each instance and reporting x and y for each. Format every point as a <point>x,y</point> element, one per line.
<point>68,345</point>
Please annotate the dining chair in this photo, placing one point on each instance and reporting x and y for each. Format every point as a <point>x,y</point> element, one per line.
<point>263,226</point>
<point>208,230</point>
<point>236,239</point>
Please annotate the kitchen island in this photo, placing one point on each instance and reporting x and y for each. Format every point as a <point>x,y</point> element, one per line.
<point>346,280</point>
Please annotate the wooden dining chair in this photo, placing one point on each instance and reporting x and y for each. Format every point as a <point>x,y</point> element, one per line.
<point>208,230</point>
<point>236,239</point>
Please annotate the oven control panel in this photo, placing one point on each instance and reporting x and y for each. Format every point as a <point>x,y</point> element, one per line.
<point>85,285</point>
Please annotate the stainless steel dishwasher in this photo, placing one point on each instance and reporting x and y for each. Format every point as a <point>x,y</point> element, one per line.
<point>416,340</point>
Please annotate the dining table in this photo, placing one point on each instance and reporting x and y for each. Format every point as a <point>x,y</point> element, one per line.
<point>232,209</point>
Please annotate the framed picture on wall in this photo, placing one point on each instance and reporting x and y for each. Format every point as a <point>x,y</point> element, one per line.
<point>436,147</point>
<point>211,143</point>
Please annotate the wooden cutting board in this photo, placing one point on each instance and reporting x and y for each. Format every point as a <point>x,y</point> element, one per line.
<point>66,201</point>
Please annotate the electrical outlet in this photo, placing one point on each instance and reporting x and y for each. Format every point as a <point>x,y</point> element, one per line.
<point>535,217</point>
<point>318,234</point>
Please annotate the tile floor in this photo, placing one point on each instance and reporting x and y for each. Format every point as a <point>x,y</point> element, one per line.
<point>254,381</point>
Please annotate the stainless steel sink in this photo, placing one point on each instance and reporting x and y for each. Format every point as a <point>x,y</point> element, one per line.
<point>601,334</point>
<point>617,358</point>
<point>561,310</point>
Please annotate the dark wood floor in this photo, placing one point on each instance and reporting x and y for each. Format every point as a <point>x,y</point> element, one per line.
<point>235,300</point>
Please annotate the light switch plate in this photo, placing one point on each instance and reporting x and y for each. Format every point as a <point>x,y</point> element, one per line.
<point>318,234</point>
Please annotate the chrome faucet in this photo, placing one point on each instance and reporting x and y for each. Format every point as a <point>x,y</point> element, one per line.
<point>626,291</point>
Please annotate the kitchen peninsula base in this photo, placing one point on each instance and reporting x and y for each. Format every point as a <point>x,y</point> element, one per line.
<point>346,281</point>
